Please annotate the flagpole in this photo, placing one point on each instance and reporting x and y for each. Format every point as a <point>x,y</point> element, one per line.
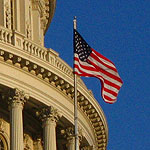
<point>75,99</point>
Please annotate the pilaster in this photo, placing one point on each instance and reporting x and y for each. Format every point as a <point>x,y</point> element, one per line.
<point>36,21</point>
<point>17,14</point>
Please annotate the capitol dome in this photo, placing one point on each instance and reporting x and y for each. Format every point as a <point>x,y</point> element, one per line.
<point>37,86</point>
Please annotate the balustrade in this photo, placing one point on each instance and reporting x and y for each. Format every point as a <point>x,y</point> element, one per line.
<point>5,35</point>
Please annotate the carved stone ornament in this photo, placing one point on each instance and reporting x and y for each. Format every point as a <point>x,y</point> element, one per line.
<point>2,125</point>
<point>43,22</point>
<point>87,148</point>
<point>48,113</point>
<point>17,96</point>
<point>8,15</point>
<point>28,144</point>
<point>68,132</point>
<point>28,29</point>
<point>38,144</point>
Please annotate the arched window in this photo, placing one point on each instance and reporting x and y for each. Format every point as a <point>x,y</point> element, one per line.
<point>3,144</point>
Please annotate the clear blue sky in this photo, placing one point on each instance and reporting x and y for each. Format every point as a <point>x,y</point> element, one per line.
<point>119,30</point>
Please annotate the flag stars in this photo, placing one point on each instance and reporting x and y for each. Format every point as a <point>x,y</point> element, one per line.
<point>81,47</point>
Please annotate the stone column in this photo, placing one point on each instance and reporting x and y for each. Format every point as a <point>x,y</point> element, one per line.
<point>17,99</point>
<point>49,117</point>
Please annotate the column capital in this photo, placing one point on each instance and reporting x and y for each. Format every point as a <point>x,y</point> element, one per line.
<point>48,113</point>
<point>17,97</point>
<point>68,133</point>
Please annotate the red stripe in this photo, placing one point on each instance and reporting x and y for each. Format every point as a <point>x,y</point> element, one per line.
<point>109,99</point>
<point>86,67</point>
<point>82,72</point>
<point>108,82</point>
<point>110,91</point>
<point>112,84</point>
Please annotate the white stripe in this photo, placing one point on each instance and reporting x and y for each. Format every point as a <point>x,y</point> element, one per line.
<point>111,88</point>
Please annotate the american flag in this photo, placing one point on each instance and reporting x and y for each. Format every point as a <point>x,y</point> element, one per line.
<point>90,63</point>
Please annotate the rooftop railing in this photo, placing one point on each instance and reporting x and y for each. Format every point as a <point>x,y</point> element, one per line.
<point>32,48</point>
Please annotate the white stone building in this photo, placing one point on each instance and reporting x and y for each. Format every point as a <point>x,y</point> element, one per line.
<point>36,86</point>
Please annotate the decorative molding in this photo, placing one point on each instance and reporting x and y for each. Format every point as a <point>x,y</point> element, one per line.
<point>17,97</point>
<point>28,29</point>
<point>2,125</point>
<point>48,113</point>
<point>87,148</point>
<point>6,35</point>
<point>38,144</point>
<point>68,133</point>
<point>8,15</point>
<point>28,143</point>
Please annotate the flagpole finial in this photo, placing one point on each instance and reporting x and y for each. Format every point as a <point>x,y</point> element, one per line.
<point>75,22</point>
